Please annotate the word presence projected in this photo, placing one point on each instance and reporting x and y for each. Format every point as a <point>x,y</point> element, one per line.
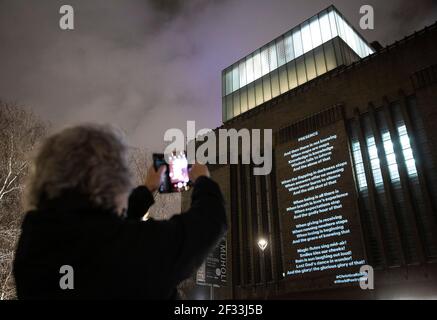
<point>319,214</point>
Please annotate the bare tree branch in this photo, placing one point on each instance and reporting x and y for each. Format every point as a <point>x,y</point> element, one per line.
<point>5,283</point>
<point>9,169</point>
<point>11,177</point>
<point>20,130</point>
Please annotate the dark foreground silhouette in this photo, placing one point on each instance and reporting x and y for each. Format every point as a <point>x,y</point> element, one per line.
<point>114,257</point>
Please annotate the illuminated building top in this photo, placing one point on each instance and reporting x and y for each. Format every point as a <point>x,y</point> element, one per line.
<point>314,47</point>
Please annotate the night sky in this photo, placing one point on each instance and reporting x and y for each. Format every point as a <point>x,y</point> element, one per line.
<point>147,66</point>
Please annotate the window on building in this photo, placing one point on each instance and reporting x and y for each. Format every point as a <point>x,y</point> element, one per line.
<point>396,205</point>
<point>374,161</point>
<point>407,151</point>
<point>391,158</point>
<point>359,166</point>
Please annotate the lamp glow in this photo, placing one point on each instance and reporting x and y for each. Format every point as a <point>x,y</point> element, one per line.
<point>262,244</point>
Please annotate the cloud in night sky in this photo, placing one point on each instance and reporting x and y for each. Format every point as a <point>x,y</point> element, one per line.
<point>147,66</point>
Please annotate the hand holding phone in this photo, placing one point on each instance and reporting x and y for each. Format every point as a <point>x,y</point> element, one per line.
<point>198,170</point>
<point>176,177</point>
<point>154,177</point>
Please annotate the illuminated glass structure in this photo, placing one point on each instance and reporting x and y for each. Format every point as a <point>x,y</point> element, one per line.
<point>374,120</point>
<point>316,46</point>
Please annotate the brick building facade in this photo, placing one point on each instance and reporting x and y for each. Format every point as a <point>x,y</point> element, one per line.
<point>383,108</point>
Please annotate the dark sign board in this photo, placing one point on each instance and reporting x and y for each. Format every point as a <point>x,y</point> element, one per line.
<point>321,234</point>
<point>213,270</point>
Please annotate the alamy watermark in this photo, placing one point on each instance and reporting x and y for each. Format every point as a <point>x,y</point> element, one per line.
<point>367,281</point>
<point>223,146</point>
<point>367,20</point>
<point>67,279</point>
<point>66,22</point>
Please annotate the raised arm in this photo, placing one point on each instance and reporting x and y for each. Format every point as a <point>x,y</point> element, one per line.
<point>141,198</point>
<point>194,233</point>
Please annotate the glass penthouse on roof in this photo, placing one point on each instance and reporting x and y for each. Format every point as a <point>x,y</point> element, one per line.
<point>316,46</point>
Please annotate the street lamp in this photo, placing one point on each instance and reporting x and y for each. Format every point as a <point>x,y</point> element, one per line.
<point>262,244</point>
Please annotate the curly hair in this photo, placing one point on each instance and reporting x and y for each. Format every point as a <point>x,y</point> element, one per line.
<point>89,159</point>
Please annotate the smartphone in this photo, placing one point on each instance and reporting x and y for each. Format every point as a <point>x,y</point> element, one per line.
<point>176,177</point>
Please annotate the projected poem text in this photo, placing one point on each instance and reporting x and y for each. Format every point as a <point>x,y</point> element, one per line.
<point>320,227</point>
